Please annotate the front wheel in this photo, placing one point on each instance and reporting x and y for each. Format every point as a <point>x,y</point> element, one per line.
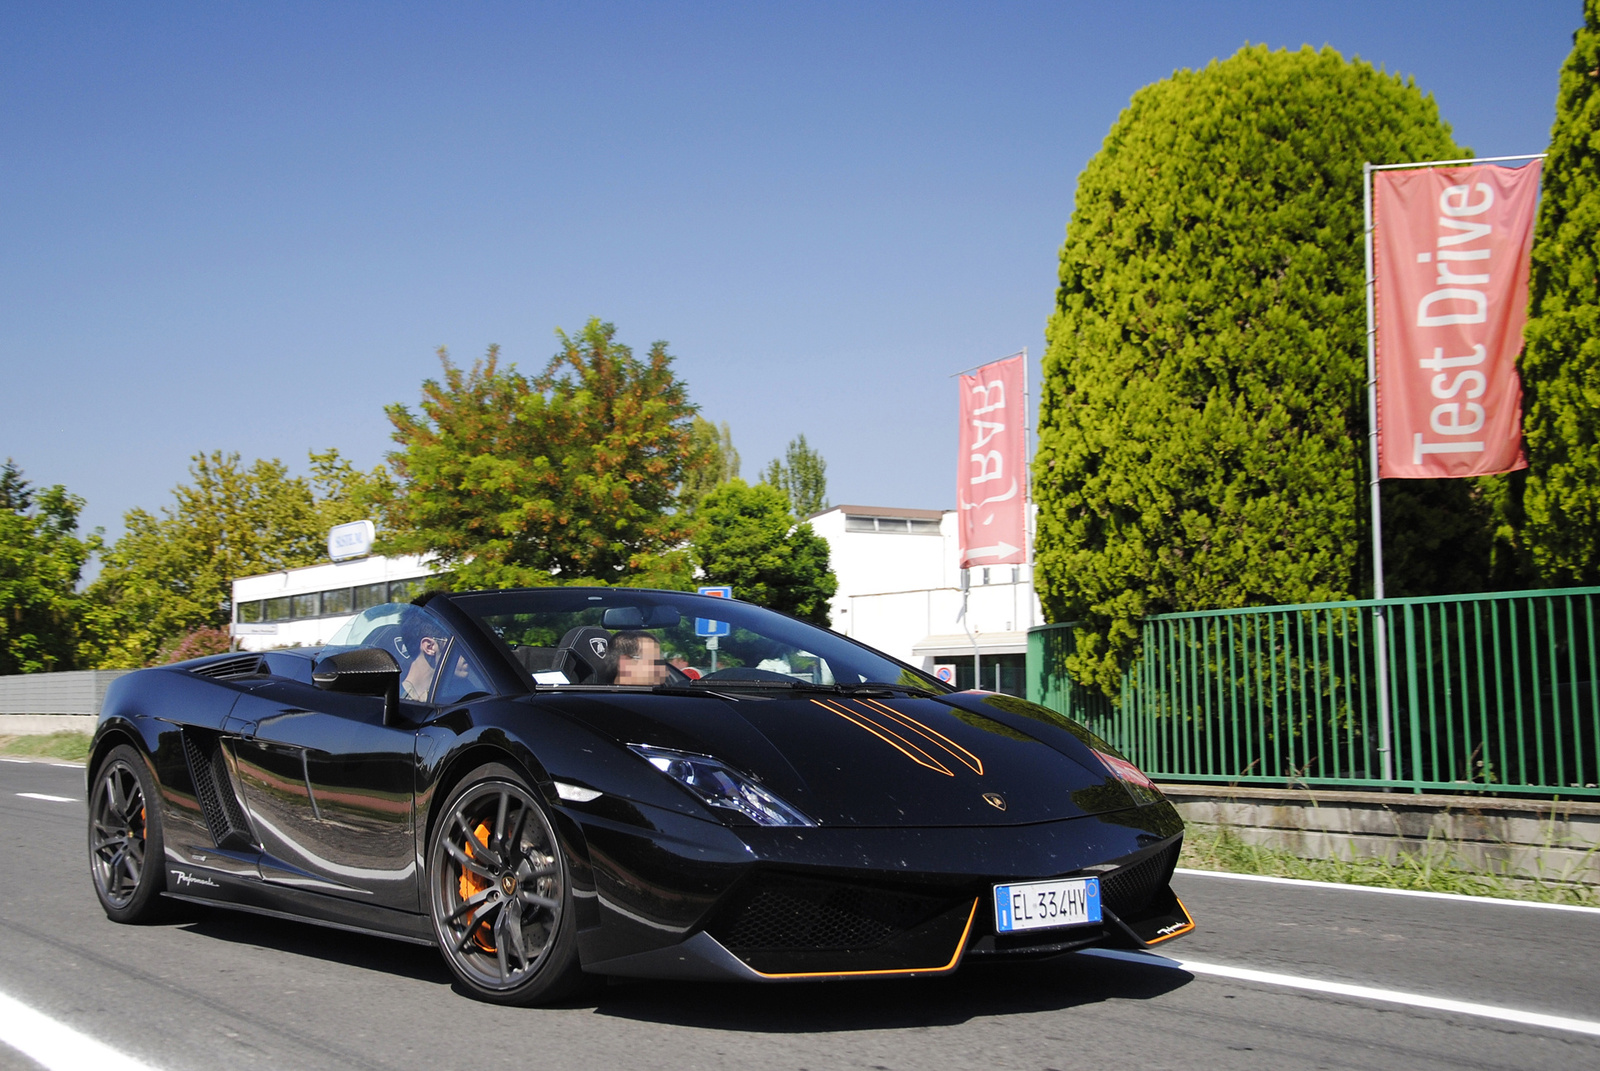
<point>125,851</point>
<point>500,894</point>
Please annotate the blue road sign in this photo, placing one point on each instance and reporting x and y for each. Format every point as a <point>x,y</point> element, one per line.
<point>704,626</point>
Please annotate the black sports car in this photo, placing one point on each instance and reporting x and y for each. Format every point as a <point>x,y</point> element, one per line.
<point>561,783</point>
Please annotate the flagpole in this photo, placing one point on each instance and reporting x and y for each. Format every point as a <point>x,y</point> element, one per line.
<point>1380,622</point>
<point>1027,494</point>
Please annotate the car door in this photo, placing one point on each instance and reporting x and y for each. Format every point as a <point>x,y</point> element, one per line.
<point>330,791</point>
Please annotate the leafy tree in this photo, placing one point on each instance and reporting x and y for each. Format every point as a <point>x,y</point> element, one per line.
<point>509,481</point>
<point>1203,417</point>
<point>747,538</point>
<point>41,560</point>
<point>716,462</point>
<point>170,575</point>
<point>344,493</point>
<point>802,475</point>
<point>1561,362</point>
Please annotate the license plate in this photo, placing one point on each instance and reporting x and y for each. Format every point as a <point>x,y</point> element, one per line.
<point>1039,905</point>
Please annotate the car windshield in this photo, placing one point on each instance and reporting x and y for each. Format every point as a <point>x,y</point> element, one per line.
<point>623,637</point>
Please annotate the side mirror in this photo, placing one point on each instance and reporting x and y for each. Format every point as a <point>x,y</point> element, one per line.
<point>362,671</point>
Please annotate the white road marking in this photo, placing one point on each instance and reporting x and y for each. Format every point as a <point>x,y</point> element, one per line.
<point>55,1045</point>
<point>47,797</point>
<point>44,762</point>
<point>1460,897</point>
<point>1363,992</point>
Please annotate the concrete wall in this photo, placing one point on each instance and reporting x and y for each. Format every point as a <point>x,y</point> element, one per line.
<point>1512,838</point>
<point>79,692</point>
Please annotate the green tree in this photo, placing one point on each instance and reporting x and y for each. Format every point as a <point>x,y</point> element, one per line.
<point>571,475</point>
<point>715,461</point>
<point>169,577</point>
<point>746,538</point>
<point>1561,362</point>
<point>802,476</point>
<point>344,493</point>
<point>41,560</point>
<point>1202,423</point>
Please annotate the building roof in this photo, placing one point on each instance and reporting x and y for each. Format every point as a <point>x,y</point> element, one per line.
<point>884,511</point>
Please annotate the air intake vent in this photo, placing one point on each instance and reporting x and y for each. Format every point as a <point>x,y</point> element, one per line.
<point>1128,891</point>
<point>224,817</point>
<point>230,669</point>
<point>782,912</point>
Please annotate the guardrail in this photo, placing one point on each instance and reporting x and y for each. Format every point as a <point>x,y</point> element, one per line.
<point>1486,693</point>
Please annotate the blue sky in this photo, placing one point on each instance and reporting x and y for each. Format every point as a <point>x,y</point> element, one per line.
<point>248,226</point>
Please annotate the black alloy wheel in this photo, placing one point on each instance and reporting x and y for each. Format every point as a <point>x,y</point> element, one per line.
<point>500,893</point>
<point>125,852</point>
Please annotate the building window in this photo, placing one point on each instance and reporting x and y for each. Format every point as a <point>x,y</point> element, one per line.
<point>249,613</point>
<point>370,595</point>
<point>406,590</point>
<point>336,601</point>
<point>306,605</point>
<point>891,525</point>
<point>1000,673</point>
<point>275,609</point>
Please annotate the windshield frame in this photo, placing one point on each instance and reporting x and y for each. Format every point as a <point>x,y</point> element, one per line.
<point>478,606</point>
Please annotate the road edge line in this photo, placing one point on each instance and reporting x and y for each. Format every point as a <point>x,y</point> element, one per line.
<point>1362,992</point>
<point>55,1045</point>
<point>1422,893</point>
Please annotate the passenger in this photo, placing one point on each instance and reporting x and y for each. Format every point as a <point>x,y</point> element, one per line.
<point>635,658</point>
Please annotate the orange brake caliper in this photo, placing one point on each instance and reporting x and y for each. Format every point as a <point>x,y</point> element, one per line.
<point>470,884</point>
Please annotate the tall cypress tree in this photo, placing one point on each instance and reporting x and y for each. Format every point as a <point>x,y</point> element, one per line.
<point>1561,360</point>
<point>1203,417</point>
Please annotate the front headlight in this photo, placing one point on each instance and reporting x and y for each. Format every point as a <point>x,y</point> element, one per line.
<point>718,785</point>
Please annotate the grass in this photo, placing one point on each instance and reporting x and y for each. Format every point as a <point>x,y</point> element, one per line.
<point>1431,870</point>
<point>73,747</point>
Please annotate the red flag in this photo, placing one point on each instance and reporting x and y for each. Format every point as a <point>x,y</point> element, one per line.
<point>1450,255</point>
<point>993,471</point>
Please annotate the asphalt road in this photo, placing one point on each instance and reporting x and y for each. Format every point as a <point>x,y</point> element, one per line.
<point>216,989</point>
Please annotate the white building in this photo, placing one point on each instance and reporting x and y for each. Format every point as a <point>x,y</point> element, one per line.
<point>899,591</point>
<point>304,607</point>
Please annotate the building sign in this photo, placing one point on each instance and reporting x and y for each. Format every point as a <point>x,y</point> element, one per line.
<point>1450,254</point>
<point>991,490</point>
<point>353,540</point>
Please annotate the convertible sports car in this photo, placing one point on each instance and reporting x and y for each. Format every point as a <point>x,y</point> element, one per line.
<point>556,784</point>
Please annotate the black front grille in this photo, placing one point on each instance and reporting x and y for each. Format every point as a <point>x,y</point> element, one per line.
<point>1128,891</point>
<point>230,669</point>
<point>779,912</point>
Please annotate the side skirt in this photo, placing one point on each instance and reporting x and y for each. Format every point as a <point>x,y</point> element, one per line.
<point>238,894</point>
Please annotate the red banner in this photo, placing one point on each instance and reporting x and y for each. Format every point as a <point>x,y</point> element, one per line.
<point>993,470</point>
<point>1450,256</point>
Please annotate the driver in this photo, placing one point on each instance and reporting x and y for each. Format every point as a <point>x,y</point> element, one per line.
<point>426,640</point>
<point>635,658</point>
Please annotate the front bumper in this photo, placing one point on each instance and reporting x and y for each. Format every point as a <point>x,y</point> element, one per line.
<point>708,902</point>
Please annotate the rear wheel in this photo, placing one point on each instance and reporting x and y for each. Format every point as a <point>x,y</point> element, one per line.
<point>500,893</point>
<point>126,858</point>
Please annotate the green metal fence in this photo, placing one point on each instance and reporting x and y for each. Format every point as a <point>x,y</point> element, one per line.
<point>1485,693</point>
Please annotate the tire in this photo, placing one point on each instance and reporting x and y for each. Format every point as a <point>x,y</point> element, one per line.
<point>500,892</point>
<point>126,858</point>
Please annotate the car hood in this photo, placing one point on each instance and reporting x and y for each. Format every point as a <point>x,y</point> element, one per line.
<point>960,760</point>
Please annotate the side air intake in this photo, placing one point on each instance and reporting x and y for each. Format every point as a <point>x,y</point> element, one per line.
<point>224,817</point>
